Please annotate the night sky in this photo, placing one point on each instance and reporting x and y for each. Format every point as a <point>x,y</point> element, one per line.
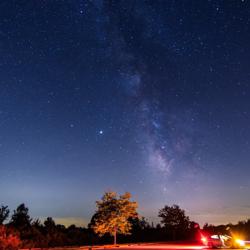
<point>150,97</point>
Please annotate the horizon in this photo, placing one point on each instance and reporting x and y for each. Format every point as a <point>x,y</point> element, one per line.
<point>198,218</point>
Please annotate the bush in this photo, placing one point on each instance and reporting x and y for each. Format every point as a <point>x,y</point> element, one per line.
<point>9,240</point>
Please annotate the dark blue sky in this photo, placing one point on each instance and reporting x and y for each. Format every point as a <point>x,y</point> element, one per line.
<point>150,97</point>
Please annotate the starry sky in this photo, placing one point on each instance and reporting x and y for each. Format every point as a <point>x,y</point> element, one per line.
<point>150,97</point>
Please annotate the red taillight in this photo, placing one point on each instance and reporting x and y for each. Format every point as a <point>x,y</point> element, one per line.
<point>204,240</point>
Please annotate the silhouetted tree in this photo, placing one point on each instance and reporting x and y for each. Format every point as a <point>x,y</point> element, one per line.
<point>174,220</point>
<point>21,219</point>
<point>139,224</point>
<point>194,232</point>
<point>141,230</point>
<point>4,214</point>
<point>51,232</point>
<point>49,223</point>
<point>209,228</point>
<point>38,237</point>
<point>55,234</point>
<point>77,236</point>
<point>113,213</point>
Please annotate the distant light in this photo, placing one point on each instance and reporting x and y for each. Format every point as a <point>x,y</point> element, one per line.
<point>101,132</point>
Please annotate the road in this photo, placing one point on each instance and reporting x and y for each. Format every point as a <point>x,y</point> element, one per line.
<point>160,246</point>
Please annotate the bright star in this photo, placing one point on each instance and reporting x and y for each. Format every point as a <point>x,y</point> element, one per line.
<point>101,132</point>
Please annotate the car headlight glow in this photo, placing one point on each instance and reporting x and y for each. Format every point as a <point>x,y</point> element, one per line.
<point>240,242</point>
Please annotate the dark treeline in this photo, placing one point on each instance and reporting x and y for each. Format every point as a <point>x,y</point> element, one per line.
<point>20,230</point>
<point>241,229</point>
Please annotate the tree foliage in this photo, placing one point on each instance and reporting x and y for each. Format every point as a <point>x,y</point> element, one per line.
<point>173,216</point>
<point>113,214</point>
<point>175,220</point>
<point>49,223</point>
<point>4,214</point>
<point>9,240</point>
<point>20,218</point>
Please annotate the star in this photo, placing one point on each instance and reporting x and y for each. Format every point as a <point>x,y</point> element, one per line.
<point>101,132</point>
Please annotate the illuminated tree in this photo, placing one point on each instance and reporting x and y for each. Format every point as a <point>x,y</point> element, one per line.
<point>9,240</point>
<point>113,214</point>
<point>4,214</point>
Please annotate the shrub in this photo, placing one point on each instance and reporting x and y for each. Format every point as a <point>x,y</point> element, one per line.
<point>9,240</point>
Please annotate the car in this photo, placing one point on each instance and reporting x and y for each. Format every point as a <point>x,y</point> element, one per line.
<point>222,241</point>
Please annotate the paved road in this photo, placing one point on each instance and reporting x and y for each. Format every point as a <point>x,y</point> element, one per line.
<point>161,246</point>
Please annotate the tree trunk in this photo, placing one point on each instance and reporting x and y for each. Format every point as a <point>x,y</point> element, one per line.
<point>115,237</point>
<point>174,233</point>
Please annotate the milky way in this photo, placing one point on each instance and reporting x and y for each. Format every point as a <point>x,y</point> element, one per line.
<point>150,97</point>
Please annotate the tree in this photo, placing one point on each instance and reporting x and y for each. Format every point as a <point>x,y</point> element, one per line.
<point>49,224</point>
<point>174,219</point>
<point>4,214</point>
<point>21,219</point>
<point>113,214</point>
<point>38,238</point>
<point>55,233</point>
